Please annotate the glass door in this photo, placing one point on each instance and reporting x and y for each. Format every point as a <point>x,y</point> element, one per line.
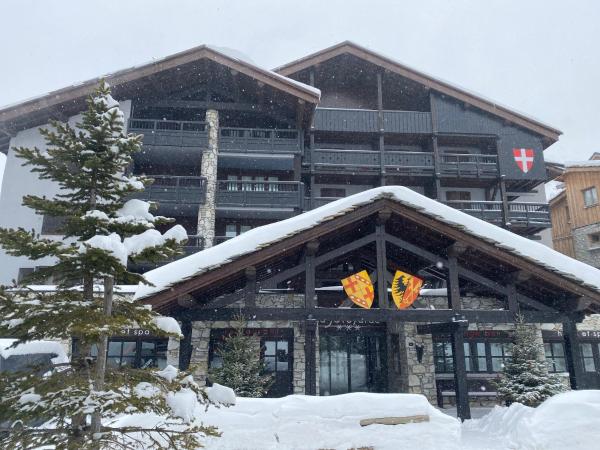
<point>352,362</point>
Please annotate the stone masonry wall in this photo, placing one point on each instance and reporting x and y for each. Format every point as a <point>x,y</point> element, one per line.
<point>208,169</point>
<point>584,251</point>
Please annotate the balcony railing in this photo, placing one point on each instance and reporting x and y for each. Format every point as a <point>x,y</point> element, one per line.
<point>170,132</point>
<point>367,120</point>
<point>519,213</point>
<point>414,163</point>
<point>175,189</point>
<point>259,140</point>
<point>468,165</point>
<point>317,202</point>
<point>260,194</point>
<point>194,134</point>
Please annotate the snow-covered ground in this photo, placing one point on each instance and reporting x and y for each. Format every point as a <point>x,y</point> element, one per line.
<point>567,421</point>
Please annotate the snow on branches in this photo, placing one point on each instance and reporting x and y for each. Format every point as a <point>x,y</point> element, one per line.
<point>82,401</point>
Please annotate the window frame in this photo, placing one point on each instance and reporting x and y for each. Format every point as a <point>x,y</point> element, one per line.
<point>594,196</point>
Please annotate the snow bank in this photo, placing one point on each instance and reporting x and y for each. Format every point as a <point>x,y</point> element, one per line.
<point>570,420</point>
<point>220,394</point>
<point>32,348</point>
<point>307,422</point>
<point>188,267</point>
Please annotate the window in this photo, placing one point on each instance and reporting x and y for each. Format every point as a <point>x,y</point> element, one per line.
<point>555,356</point>
<point>442,352</point>
<point>52,224</point>
<point>590,197</point>
<point>333,192</point>
<point>276,355</point>
<point>480,356</point>
<point>137,353</point>
<point>462,196</point>
<point>231,230</point>
<point>588,357</point>
<point>594,239</point>
<point>501,353</point>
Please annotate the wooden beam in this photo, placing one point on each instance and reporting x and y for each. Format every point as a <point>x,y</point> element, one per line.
<point>297,270</point>
<point>310,356</point>
<point>309,280</point>
<point>573,354</point>
<point>452,280</point>
<point>375,314</point>
<point>250,288</point>
<point>380,241</point>
<point>185,345</point>
<point>463,409</point>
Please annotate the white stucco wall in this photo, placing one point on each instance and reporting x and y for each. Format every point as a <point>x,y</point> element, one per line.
<point>20,181</point>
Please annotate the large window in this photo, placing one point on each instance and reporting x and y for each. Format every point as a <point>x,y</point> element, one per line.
<point>137,353</point>
<point>555,356</point>
<point>590,196</point>
<point>455,196</point>
<point>480,356</point>
<point>587,353</point>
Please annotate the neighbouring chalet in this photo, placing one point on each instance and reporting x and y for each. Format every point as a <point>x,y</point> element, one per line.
<point>284,278</point>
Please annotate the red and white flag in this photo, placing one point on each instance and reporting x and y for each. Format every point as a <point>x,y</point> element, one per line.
<point>523,158</point>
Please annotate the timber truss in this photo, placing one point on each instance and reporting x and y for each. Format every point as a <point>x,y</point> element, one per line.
<point>382,237</point>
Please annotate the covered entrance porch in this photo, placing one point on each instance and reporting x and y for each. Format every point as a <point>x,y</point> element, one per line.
<point>290,272</point>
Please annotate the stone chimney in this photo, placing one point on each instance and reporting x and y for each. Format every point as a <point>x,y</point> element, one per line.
<point>208,169</point>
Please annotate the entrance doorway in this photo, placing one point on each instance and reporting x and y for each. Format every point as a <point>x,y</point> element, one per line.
<point>352,361</point>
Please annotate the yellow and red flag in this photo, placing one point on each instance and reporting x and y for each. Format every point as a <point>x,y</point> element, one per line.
<point>405,289</point>
<point>359,289</point>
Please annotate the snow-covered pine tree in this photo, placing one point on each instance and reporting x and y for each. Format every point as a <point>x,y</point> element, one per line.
<point>102,228</point>
<point>525,378</point>
<point>242,368</point>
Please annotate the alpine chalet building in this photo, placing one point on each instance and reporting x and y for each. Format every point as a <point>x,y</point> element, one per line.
<point>341,163</point>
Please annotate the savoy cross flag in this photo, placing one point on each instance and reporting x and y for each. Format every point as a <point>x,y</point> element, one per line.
<point>523,158</point>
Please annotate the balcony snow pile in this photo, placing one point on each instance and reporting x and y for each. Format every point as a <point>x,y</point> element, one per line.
<point>570,420</point>
<point>33,348</point>
<point>253,240</point>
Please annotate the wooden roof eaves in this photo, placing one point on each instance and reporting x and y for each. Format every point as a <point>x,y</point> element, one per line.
<point>84,89</point>
<point>164,298</point>
<point>549,133</point>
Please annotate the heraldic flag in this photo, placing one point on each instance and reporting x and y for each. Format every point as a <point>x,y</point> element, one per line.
<point>405,289</point>
<point>359,289</point>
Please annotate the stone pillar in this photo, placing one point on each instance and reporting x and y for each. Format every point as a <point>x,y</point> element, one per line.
<point>206,213</point>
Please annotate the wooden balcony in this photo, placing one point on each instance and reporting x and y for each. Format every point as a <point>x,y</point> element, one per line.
<point>366,121</point>
<point>408,163</point>
<point>175,189</point>
<point>458,165</point>
<point>520,214</point>
<point>259,140</point>
<point>286,195</point>
<point>169,133</point>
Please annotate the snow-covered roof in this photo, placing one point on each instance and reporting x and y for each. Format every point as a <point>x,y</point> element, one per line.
<point>589,163</point>
<point>33,348</point>
<point>84,88</point>
<point>183,269</point>
<point>554,189</point>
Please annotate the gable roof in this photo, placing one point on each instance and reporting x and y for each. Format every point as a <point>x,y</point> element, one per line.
<point>283,235</point>
<point>69,99</point>
<point>443,87</point>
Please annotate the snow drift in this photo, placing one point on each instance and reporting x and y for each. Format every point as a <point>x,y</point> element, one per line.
<point>570,420</point>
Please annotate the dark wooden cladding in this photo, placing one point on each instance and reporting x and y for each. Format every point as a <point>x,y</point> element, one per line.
<point>364,120</point>
<point>173,133</point>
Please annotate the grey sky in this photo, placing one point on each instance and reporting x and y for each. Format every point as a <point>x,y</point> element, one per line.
<point>538,57</point>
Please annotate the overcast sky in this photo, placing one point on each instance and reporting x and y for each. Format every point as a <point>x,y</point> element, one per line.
<point>537,57</point>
